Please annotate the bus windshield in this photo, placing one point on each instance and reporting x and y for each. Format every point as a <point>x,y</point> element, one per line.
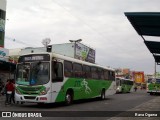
<point>35,73</point>
<point>154,81</point>
<point>23,73</point>
<point>157,80</point>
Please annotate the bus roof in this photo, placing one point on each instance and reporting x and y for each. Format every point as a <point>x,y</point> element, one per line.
<point>123,78</point>
<point>70,59</point>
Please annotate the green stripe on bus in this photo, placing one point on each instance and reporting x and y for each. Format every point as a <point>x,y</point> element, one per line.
<point>83,88</point>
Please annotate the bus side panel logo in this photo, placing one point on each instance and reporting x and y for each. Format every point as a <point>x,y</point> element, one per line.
<point>84,83</point>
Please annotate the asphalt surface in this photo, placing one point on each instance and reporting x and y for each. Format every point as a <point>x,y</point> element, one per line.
<point>136,101</point>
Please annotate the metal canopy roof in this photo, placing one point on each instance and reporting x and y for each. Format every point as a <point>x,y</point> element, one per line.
<point>157,59</point>
<point>147,24</point>
<point>153,46</point>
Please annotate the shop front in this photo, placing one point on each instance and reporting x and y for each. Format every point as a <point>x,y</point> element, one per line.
<point>7,69</point>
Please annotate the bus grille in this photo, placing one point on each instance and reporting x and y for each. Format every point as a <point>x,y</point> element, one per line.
<point>30,88</point>
<point>30,93</point>
<point>30,97</point>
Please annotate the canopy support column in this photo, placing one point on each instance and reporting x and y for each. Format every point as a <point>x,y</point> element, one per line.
<point>155,70</point>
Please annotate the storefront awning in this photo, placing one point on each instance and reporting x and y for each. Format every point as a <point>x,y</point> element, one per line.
<point>7,66</point>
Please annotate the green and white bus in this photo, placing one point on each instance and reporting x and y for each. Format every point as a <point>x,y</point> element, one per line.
<point>153,86</point>
<point>50,77</point>
<point>124,85</point>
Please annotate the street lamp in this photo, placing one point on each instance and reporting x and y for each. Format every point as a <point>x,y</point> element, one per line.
<point>75,41</point>
<point>79,40</point>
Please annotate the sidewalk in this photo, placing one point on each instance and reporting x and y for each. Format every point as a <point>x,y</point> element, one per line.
<point>2,98</point>
<point>152,105</point>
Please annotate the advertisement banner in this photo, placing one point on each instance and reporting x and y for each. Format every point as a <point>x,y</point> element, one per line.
<point>138,77</point>
<point>84,53</point>
<point>2,29</point>
<point>2,25</point>
<point>3,53</point>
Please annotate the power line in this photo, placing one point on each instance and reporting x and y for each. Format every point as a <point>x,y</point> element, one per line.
<point>89,26</point>
<point>18,41</point>
<point>78,18</point>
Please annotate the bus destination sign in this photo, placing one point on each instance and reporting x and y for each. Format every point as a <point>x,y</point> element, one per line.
<point>35,57</point>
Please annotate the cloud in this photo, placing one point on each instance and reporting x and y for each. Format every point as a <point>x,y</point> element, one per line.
<point>101,24</point>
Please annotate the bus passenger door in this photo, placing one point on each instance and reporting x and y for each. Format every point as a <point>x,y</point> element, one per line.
<point>57,79</point>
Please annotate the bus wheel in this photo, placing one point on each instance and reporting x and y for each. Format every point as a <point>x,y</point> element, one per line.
<point>151,93</point>
<point>103,94</point>
<point>68,98</point>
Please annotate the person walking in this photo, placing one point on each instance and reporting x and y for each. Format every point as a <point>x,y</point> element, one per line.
<point>13,92</point>
<point>135,88</point>
<point>9,90</point>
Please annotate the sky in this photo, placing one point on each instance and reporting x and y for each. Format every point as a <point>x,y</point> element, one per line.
<point>101,24</point>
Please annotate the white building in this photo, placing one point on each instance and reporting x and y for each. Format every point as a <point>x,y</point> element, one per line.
<point>74,50</point>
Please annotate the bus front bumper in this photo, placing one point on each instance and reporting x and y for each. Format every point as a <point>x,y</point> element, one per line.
<point>32,99</point>
<point>153,91</point>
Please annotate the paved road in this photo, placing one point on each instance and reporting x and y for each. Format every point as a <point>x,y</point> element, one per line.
<point>117,102</point>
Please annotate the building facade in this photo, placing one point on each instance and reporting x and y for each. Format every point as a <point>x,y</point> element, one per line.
<point>74,50</point>
<point>6,68</point>
<point>2,21</point>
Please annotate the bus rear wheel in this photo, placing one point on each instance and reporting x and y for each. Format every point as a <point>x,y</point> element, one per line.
<point>68,98</point>
<point>151,93</point>
<point>103,94</point>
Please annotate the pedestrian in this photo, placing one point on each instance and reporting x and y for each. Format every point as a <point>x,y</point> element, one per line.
<point>135,88</point>
<point>13,92</point>
<point>9,88</point>
<point>3,91</point>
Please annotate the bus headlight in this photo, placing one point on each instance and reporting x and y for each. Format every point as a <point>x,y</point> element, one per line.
<point>44,92</point>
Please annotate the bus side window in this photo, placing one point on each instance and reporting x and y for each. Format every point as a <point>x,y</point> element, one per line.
<point>94,72</point>
<point>100,74</point>
<point>106,75</point>
<point>87,71</point>
<point>77,70</point>
<point>57,72</point>
<point>111,75</point>
<point>68,69</point>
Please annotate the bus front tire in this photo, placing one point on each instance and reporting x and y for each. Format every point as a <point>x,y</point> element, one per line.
<point>151,93</point>
<point>68,98</point>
